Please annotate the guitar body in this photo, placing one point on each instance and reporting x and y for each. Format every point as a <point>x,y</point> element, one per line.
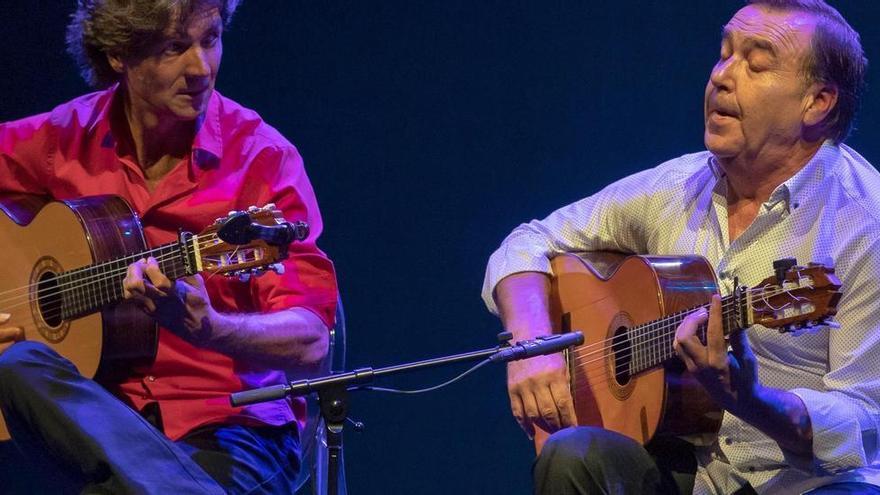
<point>44,237</point>
<point>604,295</point>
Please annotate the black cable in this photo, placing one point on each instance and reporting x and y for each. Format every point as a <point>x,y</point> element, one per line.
<point>429,389</point>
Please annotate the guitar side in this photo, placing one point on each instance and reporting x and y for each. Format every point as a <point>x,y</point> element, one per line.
<point>603,295</point>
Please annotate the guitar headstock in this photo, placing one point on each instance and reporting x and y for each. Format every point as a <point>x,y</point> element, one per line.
<point>215,256</point>
<point>807,296</point>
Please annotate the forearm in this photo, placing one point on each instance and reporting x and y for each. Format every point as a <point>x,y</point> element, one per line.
<point>292,338</point>
<point>782,416</point>
<point>523,304</point>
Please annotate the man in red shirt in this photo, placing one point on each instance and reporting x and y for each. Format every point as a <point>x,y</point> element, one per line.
<point>160,136</point>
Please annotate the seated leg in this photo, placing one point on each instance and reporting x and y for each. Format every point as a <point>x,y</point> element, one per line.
<point>50,408</point>
<point>588,460</point>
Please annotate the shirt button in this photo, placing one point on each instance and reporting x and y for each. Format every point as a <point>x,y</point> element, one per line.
<point>151,378</point>
<point>751,469</point>
<point>728,441</point>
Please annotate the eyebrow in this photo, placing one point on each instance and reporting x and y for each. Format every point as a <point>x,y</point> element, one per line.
<point>751,41</point>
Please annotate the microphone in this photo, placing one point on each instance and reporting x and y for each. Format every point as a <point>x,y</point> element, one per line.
<point>239,230</point>
<point>548,344</point>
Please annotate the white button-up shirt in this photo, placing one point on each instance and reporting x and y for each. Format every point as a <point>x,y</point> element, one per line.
<point>828,212</point>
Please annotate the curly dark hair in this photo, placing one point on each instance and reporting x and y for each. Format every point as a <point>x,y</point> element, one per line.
<point>128,29</point>
<point>836,58</point>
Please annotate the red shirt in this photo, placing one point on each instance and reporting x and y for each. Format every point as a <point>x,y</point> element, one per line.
<point>237,161</point>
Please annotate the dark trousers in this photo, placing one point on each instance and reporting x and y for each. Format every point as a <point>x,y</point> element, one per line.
<point>81,439</point>
<point>588,460</point>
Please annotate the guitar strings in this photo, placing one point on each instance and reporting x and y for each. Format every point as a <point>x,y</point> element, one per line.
<point>33,325</point>
<point>171,249</point>
<point>766,291</point>
<point>109,275</point>
<point>202,244</point>
<point>584,368</point>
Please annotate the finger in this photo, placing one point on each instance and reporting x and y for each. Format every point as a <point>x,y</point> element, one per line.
<point>518,411</point>
<point>133,283</point>
<point>530,413</point>
<point>690,324</point>
<point>157,278</point>
<point>715,332</point>
<point>195,281</point>
<point>564,403</point>
<point>11,334</point>
<point>548,414</point>
<point>684,356</point>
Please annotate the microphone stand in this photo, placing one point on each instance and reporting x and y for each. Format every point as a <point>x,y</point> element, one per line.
<point>333,389</point>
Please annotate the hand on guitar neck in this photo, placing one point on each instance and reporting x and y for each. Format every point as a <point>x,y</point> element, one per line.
<point>182,306</point>
<point>731,379</point>
<point>9,335</point>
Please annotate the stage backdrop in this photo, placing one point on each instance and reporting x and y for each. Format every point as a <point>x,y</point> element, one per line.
<point>429,130</point>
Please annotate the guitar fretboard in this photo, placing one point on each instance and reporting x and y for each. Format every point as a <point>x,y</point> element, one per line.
<point>85,290</point>
<point>651,342</point>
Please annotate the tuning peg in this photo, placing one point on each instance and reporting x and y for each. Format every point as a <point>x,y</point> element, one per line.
<point>277,268</point>
<point>232,213</point>
<point>269,206</point>
<point>252,209</point>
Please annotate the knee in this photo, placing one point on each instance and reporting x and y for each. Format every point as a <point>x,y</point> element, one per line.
<point>573,448</point>
<point>21,358</point>
<point>590,448</point>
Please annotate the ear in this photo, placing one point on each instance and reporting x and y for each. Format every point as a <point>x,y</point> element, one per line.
<point>116,63</point>
<point>822,98</point>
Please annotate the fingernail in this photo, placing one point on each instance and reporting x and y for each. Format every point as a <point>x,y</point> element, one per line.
<point>151,260</point>
<point>4,317</point>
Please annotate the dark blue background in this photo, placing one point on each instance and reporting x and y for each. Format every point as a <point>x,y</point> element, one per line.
<point>430,129</point>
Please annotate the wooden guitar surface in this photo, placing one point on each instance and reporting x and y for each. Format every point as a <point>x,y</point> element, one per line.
<point>42,238</point>
<point>604,295</point>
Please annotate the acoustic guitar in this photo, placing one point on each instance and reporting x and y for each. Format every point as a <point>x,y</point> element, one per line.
<point>64,262</point>
<point>625,377</point>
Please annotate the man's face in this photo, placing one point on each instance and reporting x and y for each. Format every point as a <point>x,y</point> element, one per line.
<point>757,95</point>
<point>177,79</point>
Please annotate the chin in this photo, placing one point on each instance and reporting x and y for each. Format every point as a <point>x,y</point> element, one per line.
<point>719,146</point>
<point>188,113</point>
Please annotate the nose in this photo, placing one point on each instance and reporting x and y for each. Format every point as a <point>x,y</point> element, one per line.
<point>721,76</point>
<point>198,62</point>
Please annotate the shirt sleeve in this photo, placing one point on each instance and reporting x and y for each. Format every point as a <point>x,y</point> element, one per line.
<point>611,220</point>
<point>309,279</point>
<point>845,414</point>
<point>25,151</point>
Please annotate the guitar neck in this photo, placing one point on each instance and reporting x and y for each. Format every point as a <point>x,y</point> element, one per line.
<point>88,289</point>
<point>652,342</point>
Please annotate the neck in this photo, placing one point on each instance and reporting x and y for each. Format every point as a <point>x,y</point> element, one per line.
<point>156,138</point>
<point>753,179</point>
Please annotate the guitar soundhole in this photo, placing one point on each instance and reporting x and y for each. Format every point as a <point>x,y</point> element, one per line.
<point>49,299</point>
<point>622,350</point>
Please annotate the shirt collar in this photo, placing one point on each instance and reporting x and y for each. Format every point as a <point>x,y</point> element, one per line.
<point>799,187</point>
<point>207,145</point>
<point>805,184</point>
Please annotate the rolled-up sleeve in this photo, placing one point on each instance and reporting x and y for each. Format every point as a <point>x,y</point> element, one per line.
<point>25,154</point>
<point>309,279</point>
<point>610,220</point>
<point>846,413</point>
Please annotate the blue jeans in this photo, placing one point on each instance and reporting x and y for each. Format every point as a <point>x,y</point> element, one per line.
<point>587,460</point>
<point>81,439</point>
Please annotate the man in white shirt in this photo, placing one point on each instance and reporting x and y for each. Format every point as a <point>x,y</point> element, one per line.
<point>776,182</point>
